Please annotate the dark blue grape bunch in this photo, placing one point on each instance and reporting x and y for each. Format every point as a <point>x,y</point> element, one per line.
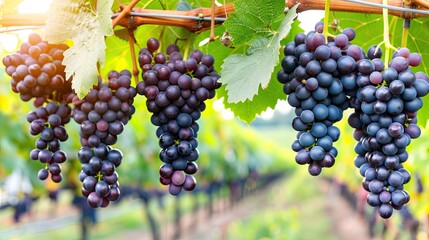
<point>385,117</point>
<point>176,90</point>
<point>102,116</point>
<point>48,121</point>
<point>318,77</point>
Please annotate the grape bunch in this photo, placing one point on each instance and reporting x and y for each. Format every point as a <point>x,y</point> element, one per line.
<point>98,176</point>
<point>48,122</point>
<point>37,71</point>
<point>102,115</point>
<point>323,77</point>
<point>317,77</point>
<point>385,117</point>
<point>176,90</point>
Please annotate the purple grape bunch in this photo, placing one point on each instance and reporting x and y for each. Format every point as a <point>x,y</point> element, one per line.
<point>48,122</point>
<point>176,91</point>
<point>102,115</point>
<point>37,74</point>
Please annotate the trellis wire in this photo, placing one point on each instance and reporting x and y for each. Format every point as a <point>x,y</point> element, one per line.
<point>222,19</point>
<point>401,9</point>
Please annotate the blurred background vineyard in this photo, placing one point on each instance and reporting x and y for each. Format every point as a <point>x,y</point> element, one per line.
<point>249,186</point>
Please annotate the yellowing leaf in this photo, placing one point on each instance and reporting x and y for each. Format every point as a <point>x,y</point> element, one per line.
<point>81,62</point>
<point>65,19</point>
<point>77,20</point>
<point>104,17</point>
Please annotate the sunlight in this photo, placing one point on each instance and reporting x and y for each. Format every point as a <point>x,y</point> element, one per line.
<point>219,107</point>
<point>309,19</point>
<point>283,107</point>
<point>267,114</point>
<point>8,42</point>
<point>34,6</point>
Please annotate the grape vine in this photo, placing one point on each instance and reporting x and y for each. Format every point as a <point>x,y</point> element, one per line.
<point>322,75</point>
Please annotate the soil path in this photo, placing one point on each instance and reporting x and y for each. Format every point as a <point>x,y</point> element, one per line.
<point>347,225</point>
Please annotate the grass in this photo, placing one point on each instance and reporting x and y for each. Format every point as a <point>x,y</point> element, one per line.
<point>296,211</point>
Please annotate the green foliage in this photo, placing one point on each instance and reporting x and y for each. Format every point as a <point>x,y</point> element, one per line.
<point>248,109</point>
<point>265,98</point>
<point>418,165</point>
<point>293,206</point>
<point>244,73</point>
<point>277,225</point>
<point>87,27</point>
<point>253,19</point>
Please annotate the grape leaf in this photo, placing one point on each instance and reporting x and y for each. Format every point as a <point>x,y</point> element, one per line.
<point>252,18</point>
<point>122,34</point>
<point>244,73</point>
<point>81,61</point>
<point>266,98</point>
<point>64,18</point>
<point>248,110</point>
<point>77,20</point>
<point>104,16</point>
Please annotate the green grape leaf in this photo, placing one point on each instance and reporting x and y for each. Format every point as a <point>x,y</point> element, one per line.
<point>78,21</point>
<point>243,74</point>
<point>252,18</point>
<point>248,110</point>
<point>10,6</point>
<point>423,113</point>
<point>118,55</point>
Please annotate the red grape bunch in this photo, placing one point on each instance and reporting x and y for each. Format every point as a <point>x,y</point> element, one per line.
<point>37,71</point>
